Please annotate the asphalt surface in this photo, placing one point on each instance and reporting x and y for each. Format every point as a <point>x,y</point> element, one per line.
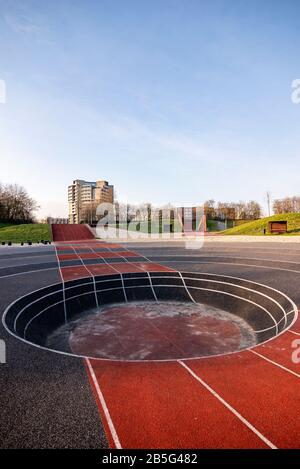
<point>46,399</point>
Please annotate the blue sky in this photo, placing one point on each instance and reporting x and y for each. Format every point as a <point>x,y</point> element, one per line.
<point>170,100</point>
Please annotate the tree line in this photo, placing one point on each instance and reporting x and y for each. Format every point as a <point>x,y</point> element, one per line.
<point>16,206</point>
<point>232,210</point>
<point>286,205</point>
<point>250,210</point>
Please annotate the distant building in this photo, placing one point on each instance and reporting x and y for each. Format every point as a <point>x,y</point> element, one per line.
<point>59,221</point>
<point>82,193</point>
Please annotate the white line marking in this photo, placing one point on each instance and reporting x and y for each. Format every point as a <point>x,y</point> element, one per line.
<point>37,315</point>
<point>91,274</point>
<point>202,273</point>
<point>84,356</point>
<point>119,272</point>
<point>295,310</point>
<point>30,304</point>
<point>123,286</point>
<point>293,332</point>
<point>239,297</point>
<point>232,264</point>
<point>216,281</point>
<point>213,249</point>
<point>230,257</point>
<point>104,406</point>
<point>245,280</point>
<point>151,285</point>
<point>184,284</point>
<point>267,267</point>
<point>275,363</point>
<point>241,287</point>
<point>228,406</point>
<point>122,248</point>
<point>272,327</point>
<point>109,359</point>
<point>63,284</point>
<point>28,272</point>
<point>114,268</point>
<point>27,263</point>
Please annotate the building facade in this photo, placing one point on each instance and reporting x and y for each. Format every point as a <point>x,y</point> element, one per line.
<point>85,196</point>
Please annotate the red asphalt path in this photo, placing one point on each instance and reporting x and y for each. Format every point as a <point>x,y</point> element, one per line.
<point>248,399</point>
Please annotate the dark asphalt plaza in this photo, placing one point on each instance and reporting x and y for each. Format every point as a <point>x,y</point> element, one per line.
<point>46,399</point>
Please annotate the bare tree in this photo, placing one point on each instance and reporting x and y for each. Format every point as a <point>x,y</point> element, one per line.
<point>233,210</point>
<point>253,210</point>
<point>89,212</point>
<point>287,205</point>
<point>209,209</point>
<point>16,204</point>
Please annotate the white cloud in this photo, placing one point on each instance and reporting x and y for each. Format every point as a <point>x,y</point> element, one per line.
<point>22,24</point>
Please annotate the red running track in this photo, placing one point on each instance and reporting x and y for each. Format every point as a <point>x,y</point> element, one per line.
<point>70,232</point>
<point>248,399</point>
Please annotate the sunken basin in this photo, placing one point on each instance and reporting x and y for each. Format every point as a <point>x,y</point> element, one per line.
<point>153,316</point>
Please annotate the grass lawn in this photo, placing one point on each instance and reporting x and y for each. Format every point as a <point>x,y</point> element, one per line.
<point>212,225</point>
<point>22,233</point>
<point>256,227</point>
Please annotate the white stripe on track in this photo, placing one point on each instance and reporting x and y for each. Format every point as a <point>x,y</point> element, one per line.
<point>231,257</point>
<point>90,273</point>
<point>63,283</point>
<point>293,332</point>
<point>114,268</point>
<point>228,406</point>
<point>104,406</point>
<point>275,363</point>
<point>186,288</point>
<point>228,263</point>
<point>28,272</point>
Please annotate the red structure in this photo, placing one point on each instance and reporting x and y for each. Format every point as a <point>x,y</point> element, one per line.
<point>70,232</point>
<point>277,226</point>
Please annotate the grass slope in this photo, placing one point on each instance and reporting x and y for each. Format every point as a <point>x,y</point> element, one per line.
<point>22,233</point>
<point>212,225</point>
<point>256,227</point>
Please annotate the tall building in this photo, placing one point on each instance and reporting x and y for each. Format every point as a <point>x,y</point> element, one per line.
<point>81,194</point>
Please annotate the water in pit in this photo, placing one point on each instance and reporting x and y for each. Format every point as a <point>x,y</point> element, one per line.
<point>153,331</point>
